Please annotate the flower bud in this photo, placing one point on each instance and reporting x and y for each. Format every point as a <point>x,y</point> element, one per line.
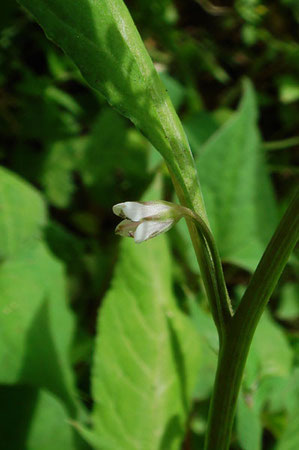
<point>145,220</point>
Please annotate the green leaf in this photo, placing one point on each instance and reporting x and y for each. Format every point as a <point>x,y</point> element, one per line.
<point>199,128</point>
<point>236,187</point>
<point>146,357</point>
<point>22,214</point>
<point>34,419</point>
<point>36,326</point>
<point>102,40</point>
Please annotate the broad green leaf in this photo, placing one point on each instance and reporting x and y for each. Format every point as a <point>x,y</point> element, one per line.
<point>102,40</point>
<point>146,357</point>
<point>199,128</point>
<point>35,420</point>
<point>22,214</point>
<point>249,427</point>
<point>237,190</point>
<point>36,326</point>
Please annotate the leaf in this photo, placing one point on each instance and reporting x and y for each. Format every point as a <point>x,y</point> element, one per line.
<point>102,40</point>
<point>236,187</point>
<point>22,214</point>
<point>146,357</point>
<point>199,128</point>
<point>36,326</point>
<point>34,419</point>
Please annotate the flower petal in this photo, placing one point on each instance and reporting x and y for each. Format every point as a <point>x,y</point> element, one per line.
<point>119,210</point>
<point>126,228</point>
<point>149,229</point>
<point>137,210</point>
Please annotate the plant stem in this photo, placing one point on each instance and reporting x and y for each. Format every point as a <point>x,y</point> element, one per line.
<point>195,203</point>
<point>234,348</point>
<point>231,362</point>
<point>280,145</point>
<point>223,309</point>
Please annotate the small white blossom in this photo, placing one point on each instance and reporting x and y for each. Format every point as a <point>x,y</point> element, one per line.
<point>145,220</point>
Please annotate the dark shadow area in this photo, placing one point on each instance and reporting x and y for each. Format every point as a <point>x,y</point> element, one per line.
<point>45,371</point>
<point>15,418</point>
<point>179,360</point>
<point>172,431</point>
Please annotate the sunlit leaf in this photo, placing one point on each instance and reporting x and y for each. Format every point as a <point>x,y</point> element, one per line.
<point>237,190</point>
<point>146,358</point>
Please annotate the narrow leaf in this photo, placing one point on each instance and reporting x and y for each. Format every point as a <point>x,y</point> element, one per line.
<point>102,40</point>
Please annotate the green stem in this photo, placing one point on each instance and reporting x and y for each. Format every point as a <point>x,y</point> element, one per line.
<point>200,246</point>
<point>223,309</point>
<point>235,347</point>
<point>280,145</point>
<point>231,362</point>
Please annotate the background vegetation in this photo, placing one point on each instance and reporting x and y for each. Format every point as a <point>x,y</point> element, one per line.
<point>232,72</point>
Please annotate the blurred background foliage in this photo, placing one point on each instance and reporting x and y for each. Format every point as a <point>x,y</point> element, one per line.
<point>66,158</point>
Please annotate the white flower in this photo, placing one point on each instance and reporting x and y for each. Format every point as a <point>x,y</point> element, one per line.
<point>145,220</point>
